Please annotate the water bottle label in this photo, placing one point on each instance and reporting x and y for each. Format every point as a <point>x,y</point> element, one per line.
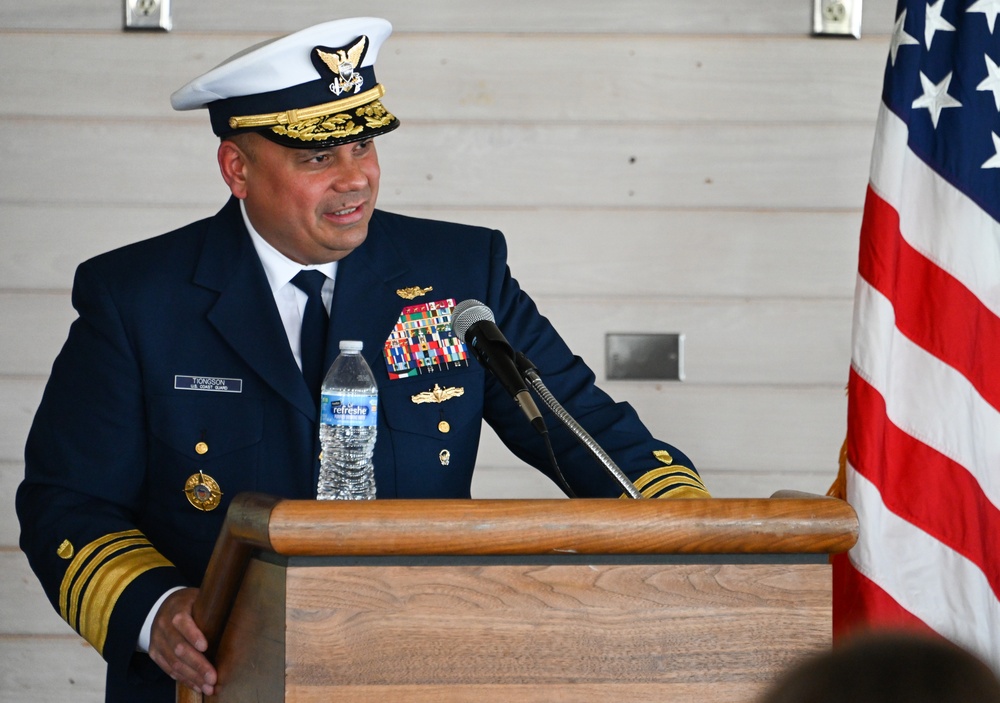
<point>349,410</point>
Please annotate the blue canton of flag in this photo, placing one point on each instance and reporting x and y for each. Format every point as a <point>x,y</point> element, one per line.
<point>943,80</point>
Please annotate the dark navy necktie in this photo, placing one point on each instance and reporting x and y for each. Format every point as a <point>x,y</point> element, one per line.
<point>315,321</point>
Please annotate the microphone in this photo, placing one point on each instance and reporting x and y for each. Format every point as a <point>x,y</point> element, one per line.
<point>474,322</point>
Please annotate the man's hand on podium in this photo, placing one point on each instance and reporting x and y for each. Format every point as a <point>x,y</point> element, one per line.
<point>177,645</point>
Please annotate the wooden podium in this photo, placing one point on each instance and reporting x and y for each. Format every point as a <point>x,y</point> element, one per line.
<point>517,600</point>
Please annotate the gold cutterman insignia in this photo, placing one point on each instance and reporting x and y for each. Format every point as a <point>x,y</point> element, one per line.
<point>437,395</point>
<point>413,292</point>
<point>203,492</point>
<point>65,550</point>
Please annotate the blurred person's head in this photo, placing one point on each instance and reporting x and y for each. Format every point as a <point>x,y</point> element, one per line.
<point>888,667</point>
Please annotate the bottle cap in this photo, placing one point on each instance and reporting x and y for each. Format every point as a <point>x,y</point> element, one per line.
<point>351,345</point>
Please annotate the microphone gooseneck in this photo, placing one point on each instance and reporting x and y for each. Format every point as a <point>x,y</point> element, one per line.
<point>530,373</point>
<point>474,323</point>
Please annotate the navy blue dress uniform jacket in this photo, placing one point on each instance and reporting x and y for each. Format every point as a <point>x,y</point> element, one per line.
<point>106,523</point>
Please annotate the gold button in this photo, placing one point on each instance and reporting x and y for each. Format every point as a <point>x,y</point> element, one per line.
<point>201,448</point>
<point>443,426</point>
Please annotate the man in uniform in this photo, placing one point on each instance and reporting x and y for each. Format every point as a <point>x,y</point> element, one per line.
<point>184,381</point>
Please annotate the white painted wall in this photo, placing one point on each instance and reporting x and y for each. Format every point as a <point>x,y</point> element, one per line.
<point>693,166</point>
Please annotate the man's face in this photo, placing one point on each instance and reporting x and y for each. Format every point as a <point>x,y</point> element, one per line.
<point>312,205</point>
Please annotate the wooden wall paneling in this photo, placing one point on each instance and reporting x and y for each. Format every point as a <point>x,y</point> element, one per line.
<point>641,79</point>
<point>722,166</point>
<point>50,670</point>
<point>11,473</point>
<point>29,611</point>
<point>44,243</point>
<point>727,340</point>
<point>736,222</point>
<point>512,481</point>
<point>644,252</point>
<point>791,428</point>
<point>731,428</point>
<point>761,484</point>
<point>33,329</point>
<point>553,16</point>
<point>515,480</point>
<point>19,398</point>
<point>492,78</point>
<point>678,253</point>
<point>111,162</point>
<point>110,75</point>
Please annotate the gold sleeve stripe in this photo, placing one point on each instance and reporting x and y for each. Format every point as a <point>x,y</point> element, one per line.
<point>679,471</point>
<point>671,482</point>
<point>81,558</point>
<point>109,583</point>
<point>81,581</point>
<point>679,492</point>
<point>668,488</point>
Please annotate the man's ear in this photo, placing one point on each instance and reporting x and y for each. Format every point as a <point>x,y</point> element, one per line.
<point>233,163</point>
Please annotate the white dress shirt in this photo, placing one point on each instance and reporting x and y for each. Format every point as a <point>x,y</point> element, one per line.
<point>290,299</point>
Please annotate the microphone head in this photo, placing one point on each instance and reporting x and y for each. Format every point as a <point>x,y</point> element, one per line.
<point>467,313</point>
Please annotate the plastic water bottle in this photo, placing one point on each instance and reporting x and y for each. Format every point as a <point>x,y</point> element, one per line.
<point>348,423</point>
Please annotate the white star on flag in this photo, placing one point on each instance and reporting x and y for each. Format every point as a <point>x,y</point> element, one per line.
<point>994,161</point>
<point>992,80</point>
<point>990,8</point>
<point>935,22</point>
<point>935,97</point>
<point>900,37</point>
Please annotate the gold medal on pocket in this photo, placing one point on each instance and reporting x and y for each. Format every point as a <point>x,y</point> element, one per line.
<point>203,492</point>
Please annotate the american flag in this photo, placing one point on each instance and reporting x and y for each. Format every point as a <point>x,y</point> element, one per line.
<point>923,448</point>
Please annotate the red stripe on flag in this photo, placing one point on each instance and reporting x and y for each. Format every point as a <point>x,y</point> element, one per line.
<point>919,484</point>
<point>858,602</point>
<point>933,309</point>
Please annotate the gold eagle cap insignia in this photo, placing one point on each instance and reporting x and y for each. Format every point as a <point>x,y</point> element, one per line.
<point>437,395</point>
<point>413,292</point>
<point>339,60</point>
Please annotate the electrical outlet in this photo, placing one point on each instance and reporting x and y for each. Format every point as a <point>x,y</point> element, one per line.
<point>148,14</point>
<point>837,18</point>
